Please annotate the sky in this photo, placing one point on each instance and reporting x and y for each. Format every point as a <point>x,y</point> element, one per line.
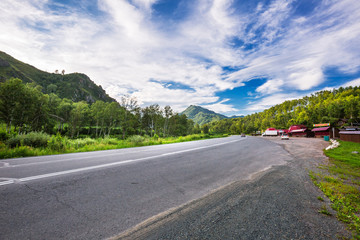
<point>235,57</point>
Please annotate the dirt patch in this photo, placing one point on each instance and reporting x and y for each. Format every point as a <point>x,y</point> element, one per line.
<point>307,152</point>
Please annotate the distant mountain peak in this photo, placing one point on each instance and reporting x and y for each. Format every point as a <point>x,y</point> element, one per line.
<point>202,115</point>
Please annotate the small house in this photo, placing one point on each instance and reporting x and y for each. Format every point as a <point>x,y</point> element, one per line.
<point>270,132</point>
<point>350,134</point>
<point>321,131</point>
<point>299,131</point>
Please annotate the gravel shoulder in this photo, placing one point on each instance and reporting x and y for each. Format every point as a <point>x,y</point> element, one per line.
<point>279,203</point>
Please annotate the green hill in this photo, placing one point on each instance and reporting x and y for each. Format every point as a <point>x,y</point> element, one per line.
<point>74,86</point>
<point>202,115</point>
<point>339,107</point>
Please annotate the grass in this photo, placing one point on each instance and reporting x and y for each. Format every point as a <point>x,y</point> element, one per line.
<point>324,210</point>
<point>320,198</point>
<point>340,181</point>
<point>58,145</point>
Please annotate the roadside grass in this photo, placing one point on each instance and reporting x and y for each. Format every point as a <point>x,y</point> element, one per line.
<point>324,210</point>
<point>320,198</point>
<point>57,144</point>
<point>340,182</point>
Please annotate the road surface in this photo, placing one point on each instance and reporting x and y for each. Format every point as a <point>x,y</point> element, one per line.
<point>280,203</point>
<point>97,195</point>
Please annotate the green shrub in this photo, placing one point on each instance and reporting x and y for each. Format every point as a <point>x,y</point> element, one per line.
<point>22,151</point>
<point>32,139</point>
<point>35,139</point>
<point>4,135</point>
<point>110,141</point>
<point>81,142</point>
<point>14,141</point>
<point>57,143</point>
<point>136,138</point>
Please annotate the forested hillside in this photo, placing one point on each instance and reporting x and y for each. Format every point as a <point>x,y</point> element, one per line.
<point>202,115</point>
<point>74,86</point>
<point>24,108</point>
<point>321,107</point>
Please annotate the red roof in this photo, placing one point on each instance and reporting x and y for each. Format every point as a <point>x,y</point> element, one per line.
<point>270,129</point>
<point>295,127</point>
<point>298,130</point>
<point>320,129</point>
<point>285,130</point>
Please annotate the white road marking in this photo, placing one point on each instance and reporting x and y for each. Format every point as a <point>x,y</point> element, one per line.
<point>6,181</point>
<point>26,179</point>
<point>4,164</point>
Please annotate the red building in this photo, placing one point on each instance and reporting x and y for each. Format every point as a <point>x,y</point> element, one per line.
<point>321,132</point>
<point>298,131</point>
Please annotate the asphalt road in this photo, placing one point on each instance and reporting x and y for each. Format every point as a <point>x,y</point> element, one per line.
<point>100,194</point>
<point>280,203</point>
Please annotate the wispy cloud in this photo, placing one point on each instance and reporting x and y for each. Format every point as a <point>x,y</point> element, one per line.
<point>353,83</point>
<point>221,106</point>
<point>270,101</point>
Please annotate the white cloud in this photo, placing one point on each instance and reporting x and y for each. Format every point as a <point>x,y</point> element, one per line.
<point>270,101</point>
<point>353,83</point>
<point>272,19</point>
<point>124,48</point>
<point>221,107</point>
<point>271,86</point>
<point>328,38</point>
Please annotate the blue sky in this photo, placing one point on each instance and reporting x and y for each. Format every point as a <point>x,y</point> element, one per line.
<point>232,56</point>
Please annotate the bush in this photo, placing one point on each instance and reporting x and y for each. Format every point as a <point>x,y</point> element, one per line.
<point>32,139</point>
<point>81,142</point>
<point>22,151</point>
<point>110,141</point>
<point>57,143</point>
<point>4,136</point>
<point>136,139</point>
<point>35,139</point>
<point>14,141</point>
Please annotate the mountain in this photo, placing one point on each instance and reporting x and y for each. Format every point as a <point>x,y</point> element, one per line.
<point>74,86</point>
<point>202,115</point>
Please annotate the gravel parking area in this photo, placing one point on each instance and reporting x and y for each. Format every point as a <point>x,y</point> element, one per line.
<point>280,203</point>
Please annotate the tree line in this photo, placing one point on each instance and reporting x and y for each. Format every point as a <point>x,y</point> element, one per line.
<point>321,107</point>
<point>25,108</point>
